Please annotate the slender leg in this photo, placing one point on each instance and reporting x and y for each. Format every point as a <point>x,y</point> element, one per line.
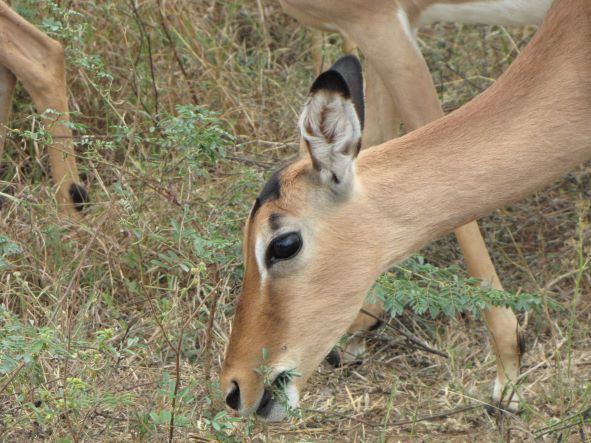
<point>348,45</point>
<point>501,322</point>
<point>7,83</point>
<point>38,62</point>
<point>317,38</point>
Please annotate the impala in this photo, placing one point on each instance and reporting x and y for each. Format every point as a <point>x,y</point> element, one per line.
<point>330,221</point>
<point>400,89</point>
<point>37,61</point>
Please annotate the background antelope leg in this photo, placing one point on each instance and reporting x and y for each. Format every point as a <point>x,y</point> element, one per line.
<point>38,62</point>
<point>7,83</point>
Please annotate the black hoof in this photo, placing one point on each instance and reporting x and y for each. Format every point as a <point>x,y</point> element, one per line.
<point>495,410</point>
<point>377,325</point>
<point>491,410</point>
<point>334,359</point>
<point>79,196</point>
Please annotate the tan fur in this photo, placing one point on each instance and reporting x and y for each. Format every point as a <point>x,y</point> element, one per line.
<point>38,62</point>
<point>527,130</point>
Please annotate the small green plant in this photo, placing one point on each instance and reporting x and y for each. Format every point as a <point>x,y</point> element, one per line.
<point>195,133</point>
<point>22,344</point>
<point>277,383</point>
<point>222,424</point>
<point>427,289</point>
<point>9,251</point>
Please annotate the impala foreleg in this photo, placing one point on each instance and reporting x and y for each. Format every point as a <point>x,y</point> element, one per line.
<point>508,347</point>
<point>317,39</point>
<point>38,62</point>
<point>401,67</point>
<point>7,83</point>
<point>501,322</point>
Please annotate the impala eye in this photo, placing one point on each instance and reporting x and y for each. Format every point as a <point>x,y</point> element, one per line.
<point>284,247</point>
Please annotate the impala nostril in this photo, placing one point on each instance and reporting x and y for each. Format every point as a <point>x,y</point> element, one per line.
<point>233,398</point>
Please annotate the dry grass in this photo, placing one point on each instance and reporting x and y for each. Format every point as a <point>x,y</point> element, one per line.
<point>122,302</point>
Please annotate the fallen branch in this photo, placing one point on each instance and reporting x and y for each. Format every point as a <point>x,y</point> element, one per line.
<point>398,327</point>
<point>439,416</point>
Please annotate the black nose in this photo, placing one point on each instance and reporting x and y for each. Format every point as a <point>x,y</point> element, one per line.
<point>233,398</point>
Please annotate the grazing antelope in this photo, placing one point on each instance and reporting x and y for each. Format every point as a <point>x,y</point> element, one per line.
<point>400,89</point>
<point>37,61</point>
<point>330,221</point>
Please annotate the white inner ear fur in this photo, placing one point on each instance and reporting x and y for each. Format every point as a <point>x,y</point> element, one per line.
<point>330,126</point>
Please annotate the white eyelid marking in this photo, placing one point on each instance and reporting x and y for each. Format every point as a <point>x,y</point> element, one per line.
<point>260,250</point>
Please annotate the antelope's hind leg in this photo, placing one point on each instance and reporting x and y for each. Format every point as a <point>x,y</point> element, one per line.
<point>7,83</point>
<point>38,62</point>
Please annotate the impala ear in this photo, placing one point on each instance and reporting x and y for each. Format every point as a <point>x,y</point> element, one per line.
<point>331,123</point>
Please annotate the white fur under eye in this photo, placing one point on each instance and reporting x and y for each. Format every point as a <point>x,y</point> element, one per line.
<point>259,252</point>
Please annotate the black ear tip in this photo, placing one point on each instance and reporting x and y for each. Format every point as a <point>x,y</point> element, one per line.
<point>331,81</point>
<point>348,63</point>
<point>345,70</point>
<point>345,77</point>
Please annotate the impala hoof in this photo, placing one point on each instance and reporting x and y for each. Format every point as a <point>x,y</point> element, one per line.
<point>79,196</point>
<point>498,408</point>
<point>334,359</point>
<point>505,399</point>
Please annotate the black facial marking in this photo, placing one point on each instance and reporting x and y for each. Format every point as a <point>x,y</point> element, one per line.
<point>79,196</point>
<point>274,220</point>
<point>271,190</point>
<point>255,207</point>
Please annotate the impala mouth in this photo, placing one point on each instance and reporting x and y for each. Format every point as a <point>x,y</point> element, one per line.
<point>278,398</point>
<point>266,404</point>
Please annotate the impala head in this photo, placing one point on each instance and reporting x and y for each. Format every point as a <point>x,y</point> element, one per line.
<point>307,265</point>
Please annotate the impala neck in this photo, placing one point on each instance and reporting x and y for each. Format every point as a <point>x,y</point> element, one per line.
<point>527,130</point>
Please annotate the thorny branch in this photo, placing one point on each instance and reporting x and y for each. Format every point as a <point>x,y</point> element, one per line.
<point>399,327</point>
